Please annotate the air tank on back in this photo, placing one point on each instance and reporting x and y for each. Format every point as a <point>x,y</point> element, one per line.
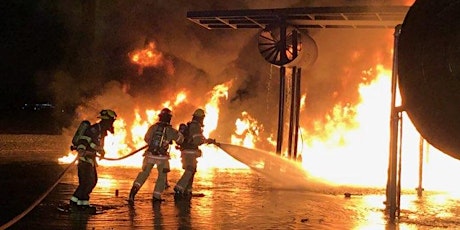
<point>429,71</point>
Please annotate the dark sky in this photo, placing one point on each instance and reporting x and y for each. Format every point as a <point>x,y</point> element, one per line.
<point>38,37</point>
<point>64,53</point>
<point>30,41</point>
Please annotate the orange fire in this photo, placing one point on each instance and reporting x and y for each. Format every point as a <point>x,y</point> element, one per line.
<point>408,2</point>
<point>150,57</point>
<point>247,131</point>
<point>118,145</point>
<point>352,149</point>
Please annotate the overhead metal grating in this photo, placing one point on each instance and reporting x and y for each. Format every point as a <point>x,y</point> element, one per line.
<point>303,18</point>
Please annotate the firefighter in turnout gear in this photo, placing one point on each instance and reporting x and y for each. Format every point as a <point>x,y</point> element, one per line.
<point>193,133</point>
<point>159,137</point>
<point>89,143</point>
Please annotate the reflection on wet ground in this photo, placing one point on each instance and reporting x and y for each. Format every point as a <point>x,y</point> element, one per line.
<point>233,199</point>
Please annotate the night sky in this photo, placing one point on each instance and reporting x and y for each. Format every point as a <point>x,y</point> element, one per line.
<point>31,39</point>
<point>74,54</point>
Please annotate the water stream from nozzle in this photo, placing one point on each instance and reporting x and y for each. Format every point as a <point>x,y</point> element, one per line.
<point>283,172</point>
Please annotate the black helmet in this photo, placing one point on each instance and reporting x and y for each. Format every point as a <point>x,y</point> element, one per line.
<point>165,115</point>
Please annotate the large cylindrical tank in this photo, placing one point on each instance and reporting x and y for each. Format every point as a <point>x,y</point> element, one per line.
<point>429,71</point>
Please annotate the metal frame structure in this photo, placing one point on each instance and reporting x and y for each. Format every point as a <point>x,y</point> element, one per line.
<point>306,18</point>
<point>393,190</point>
<point>302,18</point>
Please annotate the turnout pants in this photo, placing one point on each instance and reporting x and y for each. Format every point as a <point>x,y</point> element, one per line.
<point>162,168</point>
<point>87,180</point>
<point>189,163</point>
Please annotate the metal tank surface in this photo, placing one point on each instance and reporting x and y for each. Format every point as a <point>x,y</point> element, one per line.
<point>429,71</point>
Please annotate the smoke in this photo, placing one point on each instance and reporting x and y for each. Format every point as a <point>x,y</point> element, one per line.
<point>96,72</point>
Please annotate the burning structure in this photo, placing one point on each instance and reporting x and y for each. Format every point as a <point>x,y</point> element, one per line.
<point>344,101</point>
<point>224,73</point>
<point>342,111</point>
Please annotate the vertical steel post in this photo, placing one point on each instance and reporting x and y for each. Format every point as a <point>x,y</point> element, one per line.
<point>391,192</point>
<point>292,114</point>
<point>283,59</point>
<point>297,111</point>
<point>420,167</point>
<point>398,178</point>
<point>279,139</point>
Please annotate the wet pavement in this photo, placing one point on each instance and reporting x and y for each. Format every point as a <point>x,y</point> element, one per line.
<point>233,199</point>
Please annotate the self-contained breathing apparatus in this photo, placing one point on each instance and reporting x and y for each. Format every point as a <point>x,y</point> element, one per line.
<point>158,144</point>
<point>184,129</point>
<point>84,125</point>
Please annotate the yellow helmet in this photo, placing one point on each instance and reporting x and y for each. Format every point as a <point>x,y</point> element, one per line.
<point>199,113</point>
<point>107,114</point>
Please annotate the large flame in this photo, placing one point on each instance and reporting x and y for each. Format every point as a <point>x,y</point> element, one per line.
<point>118,145</point>
<point>247,131</point>
<point>349,146</point>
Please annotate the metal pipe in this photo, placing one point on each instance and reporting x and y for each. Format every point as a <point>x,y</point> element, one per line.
<point>398,180</point>
<point>297,111</point>
<point>420,167</point>
<point>292,114</point>
<point>394,118</point>
<point>279,139</point>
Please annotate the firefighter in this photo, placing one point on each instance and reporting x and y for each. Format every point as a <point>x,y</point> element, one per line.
<point>193,133</point>
<point>89,144</point>
<point>159,137</point>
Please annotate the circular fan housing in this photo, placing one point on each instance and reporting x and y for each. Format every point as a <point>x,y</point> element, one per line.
<point>274,49</point>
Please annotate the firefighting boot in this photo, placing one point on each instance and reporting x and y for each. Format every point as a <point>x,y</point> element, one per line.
<point>179,194</point>
<point>188,194</point>
<point>73,203</point>
<point>133,193</point>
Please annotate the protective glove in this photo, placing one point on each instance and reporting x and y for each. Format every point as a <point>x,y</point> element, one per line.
<point>211,141</point>
<point>81,152</point>
<point>101,153</point>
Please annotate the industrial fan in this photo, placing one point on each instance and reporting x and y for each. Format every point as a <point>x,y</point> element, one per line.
<point>282,44</point>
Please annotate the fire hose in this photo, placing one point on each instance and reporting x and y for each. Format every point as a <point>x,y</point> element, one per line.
<point>40,199</point>
<point>126,156</point>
